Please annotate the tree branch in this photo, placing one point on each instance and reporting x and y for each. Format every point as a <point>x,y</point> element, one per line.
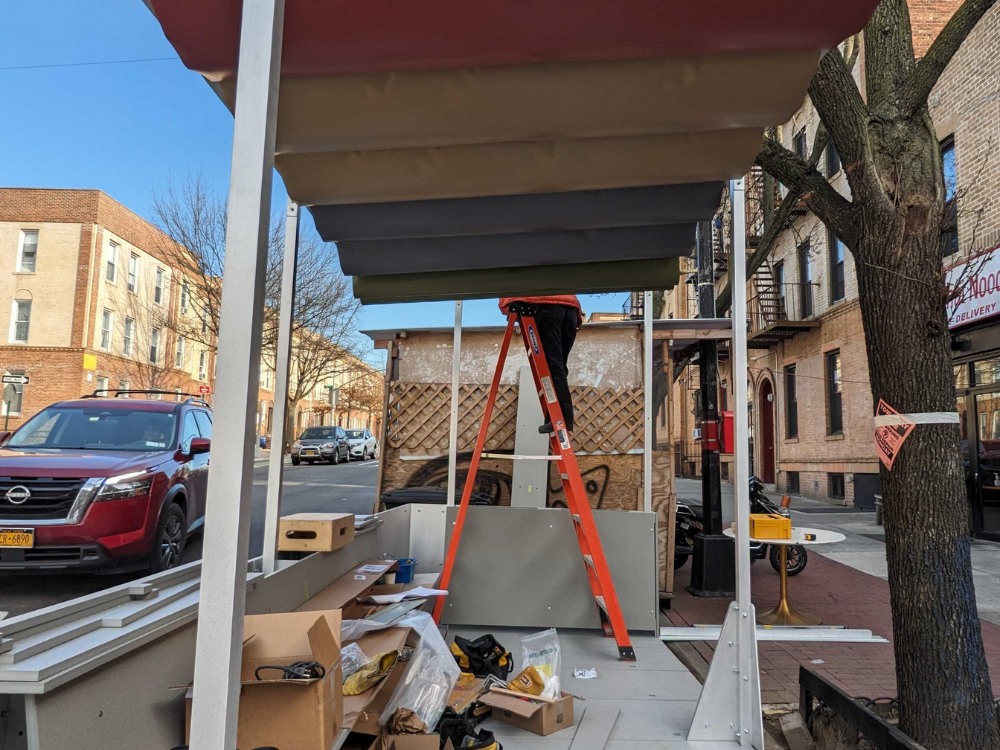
<point>932,64</point>
<point>838,101</point>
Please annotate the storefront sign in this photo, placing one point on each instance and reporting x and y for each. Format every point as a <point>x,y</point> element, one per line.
<point>978,282</point>
<point>889,438</point>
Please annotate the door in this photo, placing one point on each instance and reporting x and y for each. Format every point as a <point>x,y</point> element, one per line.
<point>988,452</point>
<point>202,462</point>
<point>766,432</point>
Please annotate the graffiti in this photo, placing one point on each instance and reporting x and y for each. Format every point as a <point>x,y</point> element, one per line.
<point>595,488</point>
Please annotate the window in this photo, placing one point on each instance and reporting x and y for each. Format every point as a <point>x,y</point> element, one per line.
<point>111,273</point>
<point>179,357</point>
<point>133,272</point>
<point>204,423</point>
<point>107,321</point>
<point>835,484</point>
<point>832,160</point>
<point>102,385</point>
<point>177,395</point>
<point>185,298</point>
<point>204,322</point>
<point>834,401</point>
<point>801,144</point>
<point>949,223</point>
<point>189,430</point>
<point>129,335</point>
<point>20,321</point>
<point>158,287</point>
<point>28,251</point>
<point>793,482</point>
<point>14,407</point>
<point>124,385</point>
<point>791,404</point>
<point>779,281</point>
<point>154,345</point>
<point>805,282</point>
<point>203,365</point>
<point>837,290</point>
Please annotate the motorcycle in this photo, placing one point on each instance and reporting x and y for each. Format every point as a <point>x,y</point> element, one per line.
<point>689,523</point>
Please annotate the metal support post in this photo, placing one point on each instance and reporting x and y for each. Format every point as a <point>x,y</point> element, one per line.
<point>230,484</point>
<point>283,358</point>
<point>647,398</point>
<point>729,706</point>
<point>456,376</point>
<point>713,555</point>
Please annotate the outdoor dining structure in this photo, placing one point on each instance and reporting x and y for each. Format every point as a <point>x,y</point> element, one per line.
<point>460,150</point>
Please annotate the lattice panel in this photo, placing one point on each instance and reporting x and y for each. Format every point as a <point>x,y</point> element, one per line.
<point>607,420</point>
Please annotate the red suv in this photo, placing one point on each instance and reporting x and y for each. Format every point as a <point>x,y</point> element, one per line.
<point>104,484</point>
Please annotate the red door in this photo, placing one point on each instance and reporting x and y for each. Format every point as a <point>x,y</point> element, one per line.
<point>766,432</point>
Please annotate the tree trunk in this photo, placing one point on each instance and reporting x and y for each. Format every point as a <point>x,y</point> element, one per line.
<point>945,695</point>
<point>290,436</point>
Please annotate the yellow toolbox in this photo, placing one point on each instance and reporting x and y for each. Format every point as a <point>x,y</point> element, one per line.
<point>770,526</point>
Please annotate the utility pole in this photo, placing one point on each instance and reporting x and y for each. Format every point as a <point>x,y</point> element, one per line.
<point>713,567</point>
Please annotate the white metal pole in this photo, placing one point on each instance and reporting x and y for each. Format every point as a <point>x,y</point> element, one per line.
<point>286,308</point>
<point>230,484</point>
<point>647,397</point>
<point>456,376</point>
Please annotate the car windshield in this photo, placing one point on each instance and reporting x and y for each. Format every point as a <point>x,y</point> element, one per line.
<point>355,433</point>
<point>97,428</point>
<point>319,433</point>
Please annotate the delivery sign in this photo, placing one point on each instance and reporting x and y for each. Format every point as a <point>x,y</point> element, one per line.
<point>978,281</point>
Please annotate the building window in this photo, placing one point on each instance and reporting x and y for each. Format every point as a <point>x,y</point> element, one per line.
<point>158,288</point>
<point>177,395</point>
<point>204,322</point>
<point>133,272</point>
<point>14,407</point>
<point>107,321</point>
<point>805,281</point>
<point>836,485</point>
<point>124,385</point>
<point>20,321</point>
<point>185,298</point>
<point>801,144</point>
<point>28,251</point>
<point>949,223</point>
<point>834,401</point>
<point>837,290</point>
<point>791,404</point>
<point>779,282</point>
<point>793,482</point>
<point>203,365</point>
<point>129,335</point>
<point>102,385</point>
<point>111,272</point>
<point>179,357</point>
<point>832,160</point>
<point>154,346</point>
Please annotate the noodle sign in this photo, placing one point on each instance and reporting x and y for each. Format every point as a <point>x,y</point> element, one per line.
<point>979,280</point>
<point>889,438</point>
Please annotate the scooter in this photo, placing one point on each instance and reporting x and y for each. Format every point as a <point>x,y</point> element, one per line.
<point>689,523</point>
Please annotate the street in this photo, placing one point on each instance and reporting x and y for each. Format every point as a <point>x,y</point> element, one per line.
<point>346,488</point>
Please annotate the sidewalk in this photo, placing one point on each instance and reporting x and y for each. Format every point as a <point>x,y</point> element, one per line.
<point>836,587</point>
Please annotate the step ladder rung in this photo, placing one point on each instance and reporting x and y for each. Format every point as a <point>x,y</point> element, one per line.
<point>576,519</point>
<point>589,559</point>
<point>599,598</point>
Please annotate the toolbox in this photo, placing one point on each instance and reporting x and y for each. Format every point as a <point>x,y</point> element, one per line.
<point>770,526</point>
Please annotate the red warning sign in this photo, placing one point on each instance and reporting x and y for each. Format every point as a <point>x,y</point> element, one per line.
<point>890,433</point>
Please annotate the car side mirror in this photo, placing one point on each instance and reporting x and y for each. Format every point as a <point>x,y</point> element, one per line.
<point>199,445</point>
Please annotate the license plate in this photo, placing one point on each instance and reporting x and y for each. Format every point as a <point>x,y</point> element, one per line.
<point>308,453</point>
<point>17,537</point>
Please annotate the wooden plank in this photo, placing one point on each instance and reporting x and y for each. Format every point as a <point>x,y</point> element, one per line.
<point>693,333</point>
<point>595,728</point>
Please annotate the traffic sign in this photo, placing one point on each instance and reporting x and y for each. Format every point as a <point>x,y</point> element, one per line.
<point>15,379</point>
<point>204,389</point>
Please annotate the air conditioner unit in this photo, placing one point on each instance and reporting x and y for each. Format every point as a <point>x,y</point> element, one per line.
<point>697,433</point>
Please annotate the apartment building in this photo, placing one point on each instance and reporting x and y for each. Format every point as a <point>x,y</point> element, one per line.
<point>91,300</point>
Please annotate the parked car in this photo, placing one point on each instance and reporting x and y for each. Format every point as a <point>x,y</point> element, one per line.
<point>321,444</point>
<point>104,484</point>
<point>363,444</point>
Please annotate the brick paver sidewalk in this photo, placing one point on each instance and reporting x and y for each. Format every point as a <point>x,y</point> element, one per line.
<point>838,594</point>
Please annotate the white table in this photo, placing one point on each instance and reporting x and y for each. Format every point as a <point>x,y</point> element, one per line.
<point>783,614</point>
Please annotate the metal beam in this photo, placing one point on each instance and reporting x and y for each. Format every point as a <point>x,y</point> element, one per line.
<point>456,384</point>
<point>230,484</point>
<point>647,401</point>
<point>283,358</point>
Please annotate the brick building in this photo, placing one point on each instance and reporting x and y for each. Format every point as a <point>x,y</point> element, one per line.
<point>811,406</point>
<point>90,299</point>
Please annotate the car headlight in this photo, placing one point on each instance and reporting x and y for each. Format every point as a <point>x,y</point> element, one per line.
<point>296,445</point>
<point>114,488</point>
<point>329,445</point>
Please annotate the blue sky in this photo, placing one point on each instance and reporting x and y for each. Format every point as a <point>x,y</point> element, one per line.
<point>127,129</point>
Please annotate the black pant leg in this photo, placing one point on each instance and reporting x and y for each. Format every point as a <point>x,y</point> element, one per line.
<point>552,334</point>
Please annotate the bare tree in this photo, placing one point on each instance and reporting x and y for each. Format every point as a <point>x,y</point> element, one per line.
<point>363,391</point>
<point>892,223</point>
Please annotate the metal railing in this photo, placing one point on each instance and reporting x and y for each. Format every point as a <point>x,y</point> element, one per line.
<point>634,307</point>
<point>773,303</point>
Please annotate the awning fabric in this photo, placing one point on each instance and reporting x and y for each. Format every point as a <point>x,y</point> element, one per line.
<point>551,146</point>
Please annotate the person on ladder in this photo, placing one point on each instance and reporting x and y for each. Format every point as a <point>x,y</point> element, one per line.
<point>558,317</point>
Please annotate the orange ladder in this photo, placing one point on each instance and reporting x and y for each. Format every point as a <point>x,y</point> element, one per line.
<point>598,573</point>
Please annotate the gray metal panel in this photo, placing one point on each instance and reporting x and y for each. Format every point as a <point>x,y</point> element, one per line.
<point>522,567</point>
<point>539,212</point>
<point>595,728</point>
<point>427,537</point>
<point>530,478</point>
<point>424,255</point>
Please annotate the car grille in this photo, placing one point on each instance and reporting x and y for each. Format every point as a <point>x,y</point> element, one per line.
<point>51,497</point>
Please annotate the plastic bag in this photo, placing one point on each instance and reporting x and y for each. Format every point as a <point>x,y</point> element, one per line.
<point>352,658</point>
<point>541,651</point>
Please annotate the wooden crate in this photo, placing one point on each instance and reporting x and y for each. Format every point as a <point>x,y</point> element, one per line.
<point>315,532</point>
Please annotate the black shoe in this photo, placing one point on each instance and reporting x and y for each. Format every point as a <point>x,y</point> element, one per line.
<point>548,429</point>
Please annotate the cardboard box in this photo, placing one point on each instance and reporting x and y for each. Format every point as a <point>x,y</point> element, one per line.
<point>466,691</point>
<point>540,718</point>
<point>410,742</point>
<point>304,714</point>
<point>343,593</point>
<point>361,712</point>
<point>315,532</point>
